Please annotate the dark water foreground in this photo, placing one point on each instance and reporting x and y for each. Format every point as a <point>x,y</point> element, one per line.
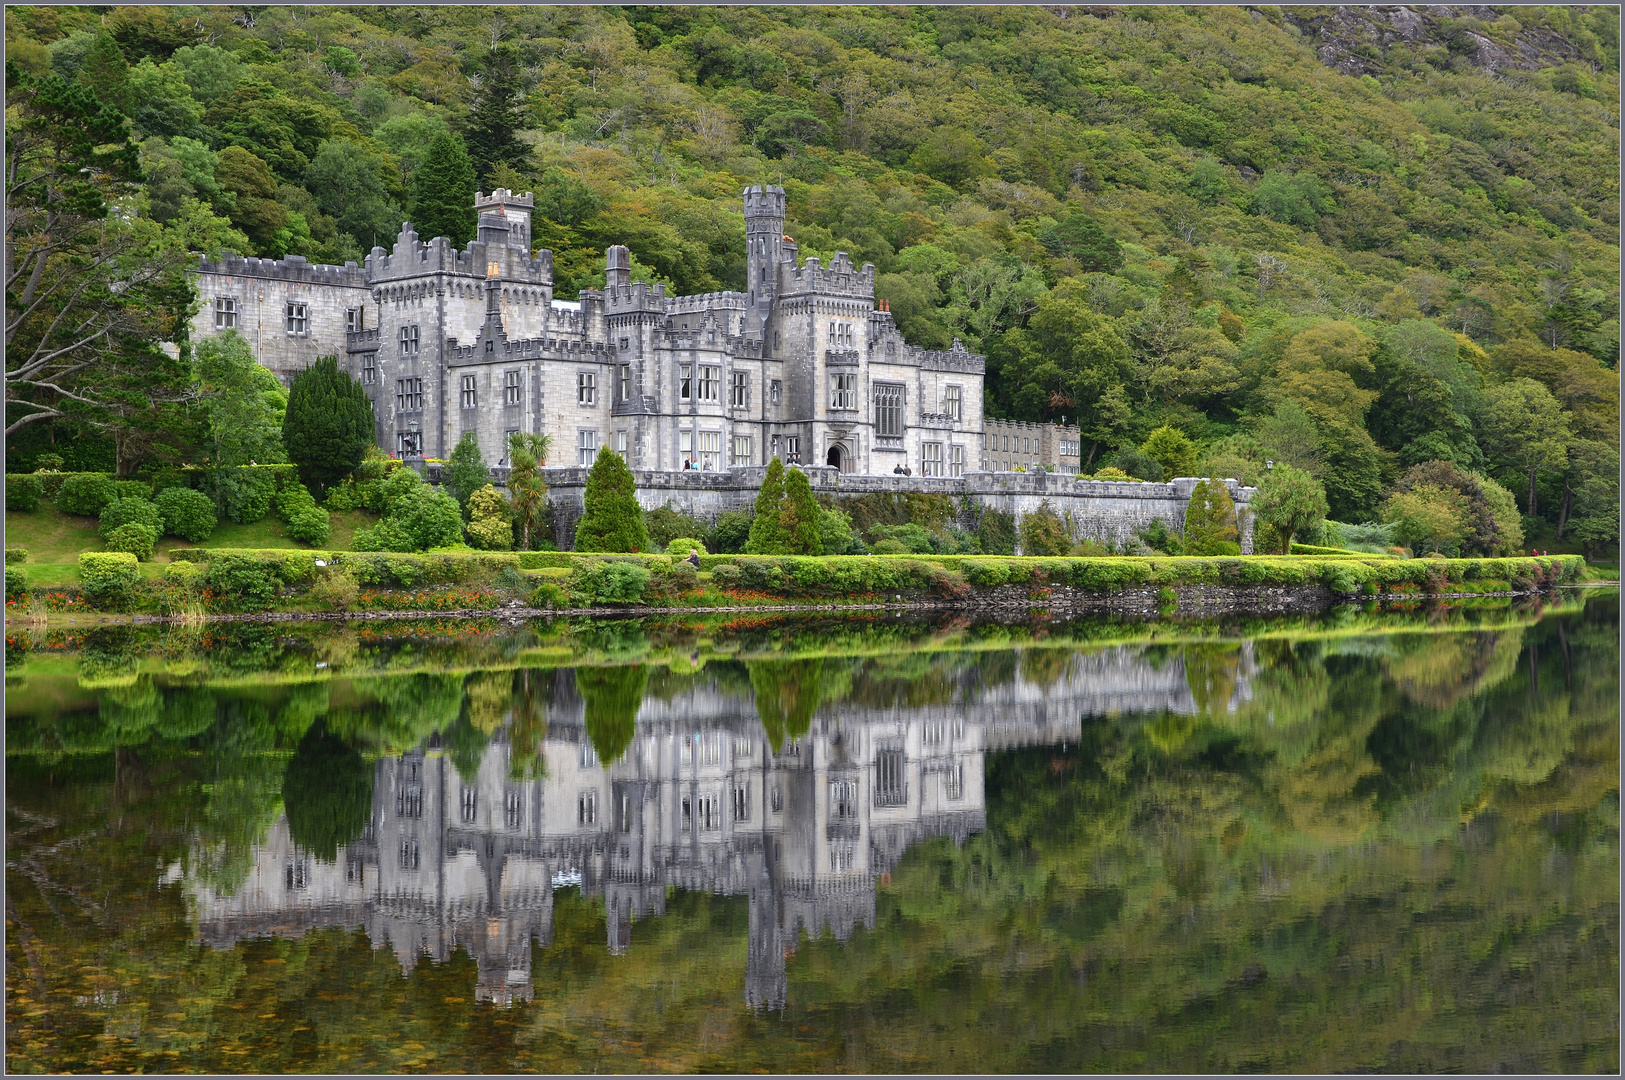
<point>1377,840</point>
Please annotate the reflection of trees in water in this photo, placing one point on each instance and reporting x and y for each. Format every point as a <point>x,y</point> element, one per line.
<point>326,793</point>
<point>400,712</point>
<point>1210,672</point>
<point>528,728</point>
<point>787,694</point>
<point>1045,667</point>
<point>1438,670</point>
<point>612,696</point>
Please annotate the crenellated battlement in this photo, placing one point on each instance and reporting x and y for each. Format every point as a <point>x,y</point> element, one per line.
<point>700,302</point>
<point>291,268</point>
<point>955,358</point>
<point>638,296</point>
<point>412,257</point>
<point>840,278</point>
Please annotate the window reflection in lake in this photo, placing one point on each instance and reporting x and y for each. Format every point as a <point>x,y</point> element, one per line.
<point>1314,846</point>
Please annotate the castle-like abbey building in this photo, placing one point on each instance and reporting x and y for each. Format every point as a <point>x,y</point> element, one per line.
<point>804,365</point>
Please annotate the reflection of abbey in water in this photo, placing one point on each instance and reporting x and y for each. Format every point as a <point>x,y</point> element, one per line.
<point>699,801</point>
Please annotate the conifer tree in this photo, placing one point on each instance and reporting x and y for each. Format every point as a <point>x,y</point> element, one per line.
<point>767,535</point>
<point>466,471</point>
<point>1210,521</point>
<point>799,516</point>
<point>328,424</point>
<point>106,73</point>
<point>612,519</point>
<point>443,192</point>
<point>495,115</point>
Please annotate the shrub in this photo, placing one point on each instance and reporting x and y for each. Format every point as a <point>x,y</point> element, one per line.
<point>1172,449</point>
<point>343,496</point>
<point>419,518</point>
<point>1168,543</point>
<point>1137,465</point>
<point>889,546</point>
<point>726,576</point>
<point>241,581</point>
<point>1111,472</point>
<point>549,595</point>
<point>16,555</point>
<point>490,525</point>
<point>125,511</point>
<point>108,578</point>
<point>915,539</point>
<point>23,492</point>
<point>49,463</point>
<point>16,583</point>
<point>665,524</point>
<point>133,489</point>
<point>731,532</point>
<point>1210,520</point>
<point>328,425</point>
<point>310,525</point>
<point>680,547</point>
<point>245,493</point>
<point>85,494</point>
<point>1042,532</point>
<point>987,575</point>
<point>996,532</point>
<point>336,590</point>
<point>600,582</point>
<point>187,514</point>
<point>135,537</point>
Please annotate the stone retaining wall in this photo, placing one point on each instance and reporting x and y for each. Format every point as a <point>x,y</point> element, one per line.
<point>1107,511</point>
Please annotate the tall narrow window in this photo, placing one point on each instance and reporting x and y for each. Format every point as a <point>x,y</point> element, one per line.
<point>778,391</point>
<point>620,443</point>
<point>891,781</point>
<point>710,382</point>
<point>931,459</point>
<point>711,450</point>
<point>409,394</point>
<point>956,461</point>
<point>685,447</point>
<point>411,857</point>
<point>952,402</point>
<point>626,383</point>
<point>843,392</point>
<point>369,368</point>
<point>225,313</point>
<point>739,390</point>
<point>888,411</point>
<point>298,318</point>
<point>587,808</point>
<point>792,447</point>
<point>297,873</point>
<point>685,382</point>
<point>470,804</point>
<point>512,388</point>
<point>741,450</point>
<point>409,340</point>
<point>353,320</point>
<point>513,808</point>
<point>471,394</point>
<point>741,803</point>
<point>586,446</point>
<point>586,388</point>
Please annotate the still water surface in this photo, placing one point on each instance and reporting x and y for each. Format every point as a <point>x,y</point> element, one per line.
<point>1374,841</point>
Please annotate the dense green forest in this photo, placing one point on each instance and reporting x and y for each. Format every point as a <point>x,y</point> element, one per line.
<point>1351,240</point>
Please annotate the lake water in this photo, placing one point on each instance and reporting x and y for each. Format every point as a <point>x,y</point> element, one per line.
<point>1374,841</point>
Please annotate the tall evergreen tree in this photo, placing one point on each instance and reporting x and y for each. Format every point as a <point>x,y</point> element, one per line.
<point>328,425</point>
<point>466,471</point>
<point>1210,521</point>
<point>767,536</point>
<point>612,519</point>
<point>443,192</point>
<point>494,115</point>
<point>799,518</point>
<point>106,73</point>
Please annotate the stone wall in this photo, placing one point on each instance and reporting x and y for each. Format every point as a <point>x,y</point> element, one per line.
<point>1103,510</point>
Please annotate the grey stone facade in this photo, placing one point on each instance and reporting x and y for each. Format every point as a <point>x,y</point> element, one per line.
<point>1007,444</point>
<point>1108,511</point>
<point>804,364</point>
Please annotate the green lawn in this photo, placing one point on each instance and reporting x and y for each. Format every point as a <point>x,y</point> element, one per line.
<point>54,540</point>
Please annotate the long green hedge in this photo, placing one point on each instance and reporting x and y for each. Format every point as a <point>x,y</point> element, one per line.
<point>869,576</point>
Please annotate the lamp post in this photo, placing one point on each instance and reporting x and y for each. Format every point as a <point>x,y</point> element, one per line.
<point>1269,466</point>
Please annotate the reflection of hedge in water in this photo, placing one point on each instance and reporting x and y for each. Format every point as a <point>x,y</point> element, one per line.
<point>612,696</point>
<point>327,793</point>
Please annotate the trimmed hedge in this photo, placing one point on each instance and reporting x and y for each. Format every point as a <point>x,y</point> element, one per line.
<point>135,537</point>
<point>187,514</point>
<point>128,510</point>
<point>85,493</point>
<point>23,492</point>
<point>16,555</point>
<point>108,578</point>
<point>16,583</point>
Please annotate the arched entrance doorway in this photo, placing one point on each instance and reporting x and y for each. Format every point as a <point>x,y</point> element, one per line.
<point>839,458</point>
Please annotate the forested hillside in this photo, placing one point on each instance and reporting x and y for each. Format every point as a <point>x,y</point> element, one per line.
<point>1358,241</point>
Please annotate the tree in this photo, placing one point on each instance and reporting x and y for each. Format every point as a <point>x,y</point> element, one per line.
<point>1043,532</point>
<point>1291,501</point>
<point>494,115</point>
<point>443,192</point>
<point>466,471</point>
<point>611,696</point>
<point>1172,449</point>
<point>612,519</point>
<point>1589,391</point>
<point>327,793</point>
<point>328,425</point>
<point>800,516</point>
<point>245,403</point>
<point>527,491</point>
<point>1525,431</point>
<point>87,290</point>
<point>352,184</point>
<point>1210,520</point>
<point>1428,514</point>
<point>1079,237</point>
<point>1293,200</point>
<point>1068,360</point>
<point>767,535</point>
